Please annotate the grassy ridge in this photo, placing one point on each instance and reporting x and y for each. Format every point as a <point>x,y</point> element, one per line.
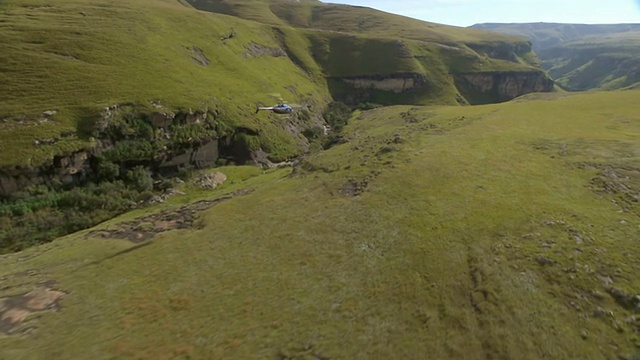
<point>478,232</point>
<point>77,57</point>
<point>580,56</point>
<point>605,62</point>
<point>374,23</point>
<point>341,18</point>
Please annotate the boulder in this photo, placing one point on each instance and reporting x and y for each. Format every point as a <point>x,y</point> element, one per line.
<point>211,181</point>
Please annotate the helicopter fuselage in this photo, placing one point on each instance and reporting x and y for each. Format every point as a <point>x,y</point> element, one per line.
<point>278,109</point>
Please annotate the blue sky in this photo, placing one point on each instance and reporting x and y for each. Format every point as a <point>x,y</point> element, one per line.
<point>469,12</point>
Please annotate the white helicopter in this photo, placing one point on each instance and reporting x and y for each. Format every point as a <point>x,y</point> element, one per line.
<point>281,108</point>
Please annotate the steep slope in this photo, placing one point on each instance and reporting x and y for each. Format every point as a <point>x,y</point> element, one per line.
<point>74,58</point>
<point>596,62</point>
<point>499,231</point>
<point>60,69</point>
<point>104,102</point>
<point>370,55</point>
<point>579,56</point>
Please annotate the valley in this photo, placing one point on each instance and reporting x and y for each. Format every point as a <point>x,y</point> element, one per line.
<point>434,192</point>
<point>582,57</point>
<point>464,232</point>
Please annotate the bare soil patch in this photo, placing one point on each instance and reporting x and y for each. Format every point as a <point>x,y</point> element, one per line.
<point>355,187</point>
<point>146,227</point>
<point>257,50</point>
<point>199,57</point>
<point>16,309</point>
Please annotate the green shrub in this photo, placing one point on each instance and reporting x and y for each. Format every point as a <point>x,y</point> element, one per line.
<point>368,106</point>
<point>221,162</point>
<point>132,150</point>
<point>40,214</point>
<point>313,132</point>
<point>108,171</point>
<point>304,115</point>
<point>139,178</point>
<point>190,133</point>
<point>337,115</point>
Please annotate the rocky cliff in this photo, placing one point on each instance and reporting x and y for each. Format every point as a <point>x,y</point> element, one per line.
<point>125,137</point>
<point>498,86</point>
<point>63,169</point>
<point>396,83</point>
<point>582,57</point>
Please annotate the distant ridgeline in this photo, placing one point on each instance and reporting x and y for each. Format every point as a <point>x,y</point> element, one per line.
<point>582,57</point>
<point>369,55</point>
<point>125,91</point>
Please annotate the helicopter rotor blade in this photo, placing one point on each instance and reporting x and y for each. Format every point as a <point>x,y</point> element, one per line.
<point>277,96</point>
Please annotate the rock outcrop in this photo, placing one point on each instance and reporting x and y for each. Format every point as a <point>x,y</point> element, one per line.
<point>79,166</point>
<point>500,86</point>
<point>212,180</point>
<point>396,83</point>
<point>202,156</point>
<point>64,169</point>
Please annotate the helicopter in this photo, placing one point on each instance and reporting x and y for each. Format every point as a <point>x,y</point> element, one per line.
<point>280,108</point>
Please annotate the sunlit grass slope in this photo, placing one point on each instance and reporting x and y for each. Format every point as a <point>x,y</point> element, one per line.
<point>77,56</point>
<point>487,232</point>
<point>596,62</point>
<point>581,56</point>
<point>345,18</point>
<point>374,23</point>
<point>351,42</point>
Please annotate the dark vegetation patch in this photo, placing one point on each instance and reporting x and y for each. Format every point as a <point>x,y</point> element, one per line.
<point>145,228</point>
<point>337,117</point>
<point>41,214</point>
<point>355,187</point>
<point>140,155</point>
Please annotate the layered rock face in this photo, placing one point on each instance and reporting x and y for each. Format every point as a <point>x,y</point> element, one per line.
<point>476,88</point>
<point>396,83</point>
<point>498,86</point>
<point>64,169</point>
<point>74,168</point>
<point>200,151</point>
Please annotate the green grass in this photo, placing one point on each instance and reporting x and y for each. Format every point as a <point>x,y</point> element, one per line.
<point>582,57</point>
<point>56,58</point>
<point>596,62</point>
<point>372,23</point>
<point>77,57</point>
<point>439,255</point>
<point>341,18</point>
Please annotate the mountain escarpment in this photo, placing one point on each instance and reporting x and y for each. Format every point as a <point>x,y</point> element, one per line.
<point>582,57</point>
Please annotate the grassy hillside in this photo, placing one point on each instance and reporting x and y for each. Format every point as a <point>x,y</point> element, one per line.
<point>579,56</point>
<point>73,58</point>
<point>371,56</point>
<point>343,18</point>
<point>77,57</point>
<point>497,231</point>
<point>546,35</point>
<point>366,21</point>
<point>605,62</point>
